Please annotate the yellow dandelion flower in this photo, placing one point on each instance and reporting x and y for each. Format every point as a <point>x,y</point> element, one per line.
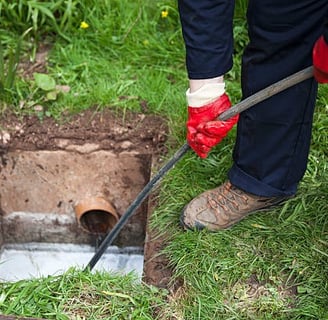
<point>164,14</point>
<point>84,25</point>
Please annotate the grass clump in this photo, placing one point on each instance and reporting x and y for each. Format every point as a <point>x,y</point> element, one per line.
<point>272,265</point>
<point>82,295</point>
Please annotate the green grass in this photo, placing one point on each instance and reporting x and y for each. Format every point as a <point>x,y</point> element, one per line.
<point>282,255</point>
<point>271,266</point>
<point>81,295</point>
<point>127,51</point>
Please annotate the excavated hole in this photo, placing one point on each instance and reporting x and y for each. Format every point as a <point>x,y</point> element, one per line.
<point>48,168</point>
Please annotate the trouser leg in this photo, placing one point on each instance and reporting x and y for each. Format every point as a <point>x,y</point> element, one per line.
<point>207,31</point>
<point>273,137</point>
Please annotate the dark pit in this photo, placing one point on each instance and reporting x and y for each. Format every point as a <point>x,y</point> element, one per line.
<point>97,222</point>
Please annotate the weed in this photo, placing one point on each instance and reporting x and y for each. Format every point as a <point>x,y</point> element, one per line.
<point>47,16</point>
<point>8,71</point>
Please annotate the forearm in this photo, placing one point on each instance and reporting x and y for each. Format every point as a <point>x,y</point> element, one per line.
<point>207,32</point>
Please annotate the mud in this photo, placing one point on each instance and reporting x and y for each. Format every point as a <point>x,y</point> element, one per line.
<point>87,131</point>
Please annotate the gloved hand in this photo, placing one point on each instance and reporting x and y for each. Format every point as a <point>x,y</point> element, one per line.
<point>320,60</point>
<point>203,131</point>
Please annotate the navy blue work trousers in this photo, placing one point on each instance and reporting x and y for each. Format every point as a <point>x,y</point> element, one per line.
<point>273,137</point>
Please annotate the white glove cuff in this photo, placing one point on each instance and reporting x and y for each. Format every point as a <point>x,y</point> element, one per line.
<point>204,95</point>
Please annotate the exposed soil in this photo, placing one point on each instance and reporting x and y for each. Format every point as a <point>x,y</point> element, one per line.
<point>136,132</point>
<point>156,270</point>
<point>26,68</point>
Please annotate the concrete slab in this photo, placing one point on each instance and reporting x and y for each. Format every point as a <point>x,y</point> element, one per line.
<point>35,260</point>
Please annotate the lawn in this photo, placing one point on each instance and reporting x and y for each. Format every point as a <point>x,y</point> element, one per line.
<point>118,55</point>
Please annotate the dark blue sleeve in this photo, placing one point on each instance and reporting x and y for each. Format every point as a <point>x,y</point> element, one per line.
<point>207,32</point>
<point>325,31</point>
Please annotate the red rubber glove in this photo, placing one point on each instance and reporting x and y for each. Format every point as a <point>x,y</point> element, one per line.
<point>203,131</point>
<point>320,60</point>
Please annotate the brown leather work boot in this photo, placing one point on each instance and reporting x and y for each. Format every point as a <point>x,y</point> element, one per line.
<point>222,207</point>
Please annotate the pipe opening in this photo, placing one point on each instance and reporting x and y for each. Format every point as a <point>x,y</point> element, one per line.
<point>97,221</point>
<point>96,215</point>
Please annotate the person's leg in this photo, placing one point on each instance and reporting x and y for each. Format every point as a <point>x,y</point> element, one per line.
<point>273,138</point>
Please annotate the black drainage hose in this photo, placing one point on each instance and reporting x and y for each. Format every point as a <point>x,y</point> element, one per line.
<point>239,107</point>
<point>111,236</point>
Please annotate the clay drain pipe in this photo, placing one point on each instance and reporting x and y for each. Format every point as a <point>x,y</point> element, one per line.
<point>96,215</point>
<point>245,104</point>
